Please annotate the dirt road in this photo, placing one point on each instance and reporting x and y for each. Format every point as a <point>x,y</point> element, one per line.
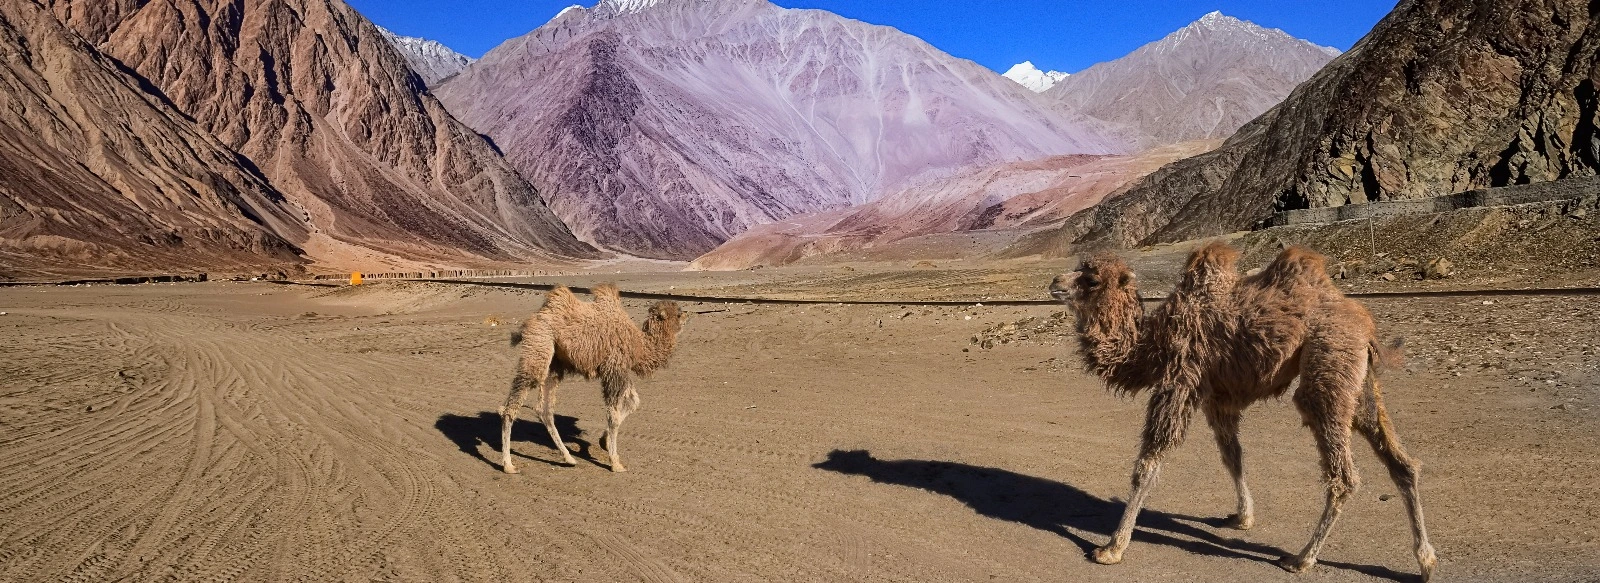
<point>256,432</point>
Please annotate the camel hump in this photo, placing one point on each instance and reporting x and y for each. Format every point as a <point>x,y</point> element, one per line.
<point>1213,266</point>
<point>1298,264</point>
<point>1216,256</point>
<point>606,291</point>
<point>560,299</point>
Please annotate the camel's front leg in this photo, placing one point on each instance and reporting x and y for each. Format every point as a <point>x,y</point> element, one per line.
<point>621,401</point>
<point>547,415</point>
<point>1166,422</point>
<point>1225,424</point>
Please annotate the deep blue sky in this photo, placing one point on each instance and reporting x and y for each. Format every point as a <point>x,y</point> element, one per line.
<point>1066,35</point>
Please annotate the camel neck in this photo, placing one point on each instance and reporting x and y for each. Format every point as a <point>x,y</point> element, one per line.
<point>1109,334</point>
<point>658,346</point>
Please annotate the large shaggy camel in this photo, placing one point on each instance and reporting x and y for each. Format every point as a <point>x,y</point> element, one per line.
<point>571,336</point>
<point>1220,343</point>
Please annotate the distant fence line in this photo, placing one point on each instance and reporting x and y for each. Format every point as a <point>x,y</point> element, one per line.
<point>1557,191</point>
<point>448,274</point>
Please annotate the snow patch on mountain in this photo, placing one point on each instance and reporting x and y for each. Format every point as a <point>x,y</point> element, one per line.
<point>625,6</point>
<point>1215,22</point>
<point>433,61</point>
<point>1026,74</point>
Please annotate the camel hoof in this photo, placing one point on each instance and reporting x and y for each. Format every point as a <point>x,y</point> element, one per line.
<point>510,469</point>
<point>618,468</point>
<point>1237,522</point>
<point>1295,564</point>
<point>1427,560</point>
<point>1106,556</point>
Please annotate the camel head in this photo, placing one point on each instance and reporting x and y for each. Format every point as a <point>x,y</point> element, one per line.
<point>1098,277</point>
<point>666,318</point>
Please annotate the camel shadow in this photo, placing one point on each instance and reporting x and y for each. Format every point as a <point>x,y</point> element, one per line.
<point>1061,508</point>
<point>471,433</point>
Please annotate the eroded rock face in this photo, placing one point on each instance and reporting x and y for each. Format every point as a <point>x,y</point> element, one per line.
<point>317,97</point>
<point>99,174</point>
<point>664,128</point>
<point>1201,82</point>
<point>1443,96</point>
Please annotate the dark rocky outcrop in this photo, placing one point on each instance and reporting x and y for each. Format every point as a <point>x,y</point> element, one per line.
<point>1442,96</point>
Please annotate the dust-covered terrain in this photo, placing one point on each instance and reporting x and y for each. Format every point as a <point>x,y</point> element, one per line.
<point>252,431</point>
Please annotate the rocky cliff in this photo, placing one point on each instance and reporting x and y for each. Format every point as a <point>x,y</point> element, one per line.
<point>1201,82</point>
<point>318,98</point>
<point>665,127</point>
<point>100,173</point>
<point>1442,96</point>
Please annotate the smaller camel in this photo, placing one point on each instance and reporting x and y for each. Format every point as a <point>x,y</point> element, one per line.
<point>1220,343</point>
<point>571,336</point>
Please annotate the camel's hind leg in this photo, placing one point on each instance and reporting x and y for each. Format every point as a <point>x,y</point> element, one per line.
<point>532,368</point>
<point>621,401</point>
<point>1327,397</point>
<point>1225,424</point>
<point>1166,422</point>
<point>1372,420</point>
<point>547,416</point>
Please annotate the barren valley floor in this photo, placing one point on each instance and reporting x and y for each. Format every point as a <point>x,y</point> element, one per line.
<point>259,432</point>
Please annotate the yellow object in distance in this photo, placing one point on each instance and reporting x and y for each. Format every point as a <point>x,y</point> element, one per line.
<point>355,278</point>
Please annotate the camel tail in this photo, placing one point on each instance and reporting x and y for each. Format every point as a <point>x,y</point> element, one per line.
<point>1380,357</point>
<point>1371,415</point>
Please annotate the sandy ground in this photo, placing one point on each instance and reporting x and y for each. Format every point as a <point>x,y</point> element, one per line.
<point>238,431</point>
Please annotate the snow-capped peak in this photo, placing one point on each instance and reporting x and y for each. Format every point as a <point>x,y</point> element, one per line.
<point>564,11</point>
<point>1027,75</point>
<point>429,58</point>
<point>1215,22</point>
<point>625,6</point>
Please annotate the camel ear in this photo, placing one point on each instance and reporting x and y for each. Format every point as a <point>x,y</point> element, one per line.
<point>1128,277</point>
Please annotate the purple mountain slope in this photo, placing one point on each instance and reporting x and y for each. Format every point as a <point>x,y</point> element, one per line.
<point>1203,81</point>
<point>662,128</point>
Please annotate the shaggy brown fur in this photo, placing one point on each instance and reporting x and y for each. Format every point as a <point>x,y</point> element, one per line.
<point>570,336</point>
<point>1220,343</point>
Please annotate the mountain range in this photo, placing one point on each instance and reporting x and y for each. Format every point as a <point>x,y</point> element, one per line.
<point>1178,96</point>
<point>277,132</point>
<point>663,128</point>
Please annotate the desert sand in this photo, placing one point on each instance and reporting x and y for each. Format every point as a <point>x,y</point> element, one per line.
<point>267,432</point>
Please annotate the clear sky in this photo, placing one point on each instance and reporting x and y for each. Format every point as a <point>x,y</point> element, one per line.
<point>1065,35</point>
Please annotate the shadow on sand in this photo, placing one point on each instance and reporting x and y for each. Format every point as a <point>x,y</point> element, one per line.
<point>1061,508</point>
<point>470,433</point>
